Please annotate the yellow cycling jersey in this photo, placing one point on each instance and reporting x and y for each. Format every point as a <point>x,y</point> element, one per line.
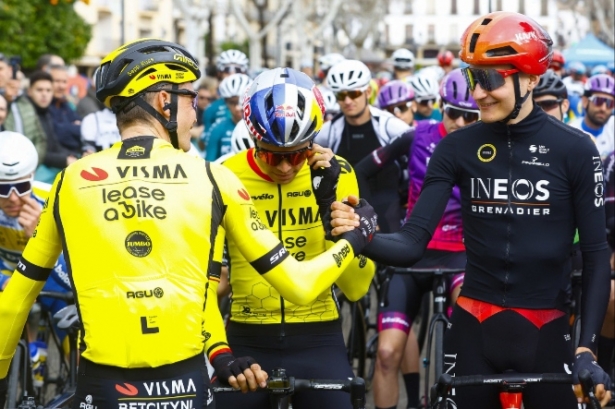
<point>12,237</point>
<point>137,222</point>
<point>291,212</point>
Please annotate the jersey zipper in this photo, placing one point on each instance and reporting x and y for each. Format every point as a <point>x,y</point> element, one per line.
<point>280,209</point>
<point>508,226</point>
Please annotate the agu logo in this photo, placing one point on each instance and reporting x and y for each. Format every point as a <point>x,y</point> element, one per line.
<point>138,244</point>
<point>486,152</point>
<point>96,175</point>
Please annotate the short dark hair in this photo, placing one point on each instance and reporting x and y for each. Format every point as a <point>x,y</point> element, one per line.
<point>40,76</point>
<point>132,113</point>
<point>42,61</point>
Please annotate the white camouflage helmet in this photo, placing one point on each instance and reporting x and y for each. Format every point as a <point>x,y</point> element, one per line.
<point>329,60</point>
<point>234,85</point>
<point>403,59</point>
<point>348,75</point>
<point>232,57</point>
<point>18,156</point>
<point>240,138</point>
<point>425,87</point>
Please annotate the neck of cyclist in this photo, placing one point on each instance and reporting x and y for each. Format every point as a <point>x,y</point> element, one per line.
<point>360,118</point>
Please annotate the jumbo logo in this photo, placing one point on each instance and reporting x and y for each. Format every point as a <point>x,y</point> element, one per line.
<point>135,151</point>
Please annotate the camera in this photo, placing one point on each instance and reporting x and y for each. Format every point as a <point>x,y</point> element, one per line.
<point>15,63</point>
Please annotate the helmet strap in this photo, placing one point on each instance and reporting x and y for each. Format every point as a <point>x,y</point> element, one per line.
<point>171,124</point>
<point>519,100</point>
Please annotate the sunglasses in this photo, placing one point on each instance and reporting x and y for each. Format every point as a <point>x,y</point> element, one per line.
<point>232,102</point>
<point>233,69</point>
<point>184,92</point>
<point>272,158</point>
<point>426,102</point>
<point>549,104</point>
<point>399,109</point>
<point>354,94</point>
<point>489,79</point>
<point>454,114</point>
<point>22,188</point>
<point>599,101</point>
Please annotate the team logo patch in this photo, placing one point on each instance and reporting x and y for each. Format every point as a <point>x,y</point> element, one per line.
<point>138,244</point>
<point>486,152</point>
<point>95,175</point>
<point>243,194</point>
<point>127,389</point>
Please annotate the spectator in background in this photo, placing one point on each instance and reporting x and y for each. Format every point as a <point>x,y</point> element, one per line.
<point>30,116</point>
<point>47,60</point>
<point>207,93</point>
<point>445,60</point>
<point>10,88</point>
<point>89,104</point>
<point>3,111</point>
<point>66,122</point>
<point>99,131</point>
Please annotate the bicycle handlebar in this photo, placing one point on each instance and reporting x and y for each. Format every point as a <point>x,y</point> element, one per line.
<point>281,385</point>
<point>447,382</point>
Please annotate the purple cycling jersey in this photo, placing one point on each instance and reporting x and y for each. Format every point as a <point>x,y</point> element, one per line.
<point>448,235</point>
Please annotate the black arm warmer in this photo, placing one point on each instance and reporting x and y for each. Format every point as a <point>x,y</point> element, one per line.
<point>595,296</point>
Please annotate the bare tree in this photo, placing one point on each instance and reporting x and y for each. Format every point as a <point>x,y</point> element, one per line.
<point>601,14</point>
<point>255,38</point>
<point>359,20</point>
<point>196,17</point>
<point>308,16</point>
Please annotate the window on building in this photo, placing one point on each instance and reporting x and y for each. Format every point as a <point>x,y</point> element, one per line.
<point>454,34</point>
<point>431,7</point>
<point>498,5</point>
<point>453,7</point>
<point>476,7</point>
<point>431,33</point>
<point>409,34</point>
<point>408,6</point>
<point>522,6</point>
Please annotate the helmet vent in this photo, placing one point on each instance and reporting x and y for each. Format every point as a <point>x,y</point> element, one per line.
<point>311,128</point>
<point>473,41</point>
<point>176,67</point>
<point>455,90</point>
<point>153,50</point>
<point>146,72</point>
<point>300,105</point>
<point>294,131</point>
<point>485,22</point>
<point>276,130</point>
<point>498,52</point>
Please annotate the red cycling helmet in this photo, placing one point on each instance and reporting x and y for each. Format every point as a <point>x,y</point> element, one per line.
<point>558,60</point>
<point>445,58</point>
<point>507,38</point>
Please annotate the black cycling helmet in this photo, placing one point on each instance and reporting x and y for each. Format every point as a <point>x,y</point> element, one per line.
<point>134,67</point>
<point>551,84</point>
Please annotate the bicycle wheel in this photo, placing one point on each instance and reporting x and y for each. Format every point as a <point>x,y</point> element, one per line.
<point>15,381</point>
<point>438,348</point>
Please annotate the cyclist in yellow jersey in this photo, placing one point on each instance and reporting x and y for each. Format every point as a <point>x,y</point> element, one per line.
<point>138,223</point>
<point>282,173</point>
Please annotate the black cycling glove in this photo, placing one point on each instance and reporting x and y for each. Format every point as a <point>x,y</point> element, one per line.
<point>226,365</point>
<point>324,182</point>
<point>362,235</point>
<point>585,360</point>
